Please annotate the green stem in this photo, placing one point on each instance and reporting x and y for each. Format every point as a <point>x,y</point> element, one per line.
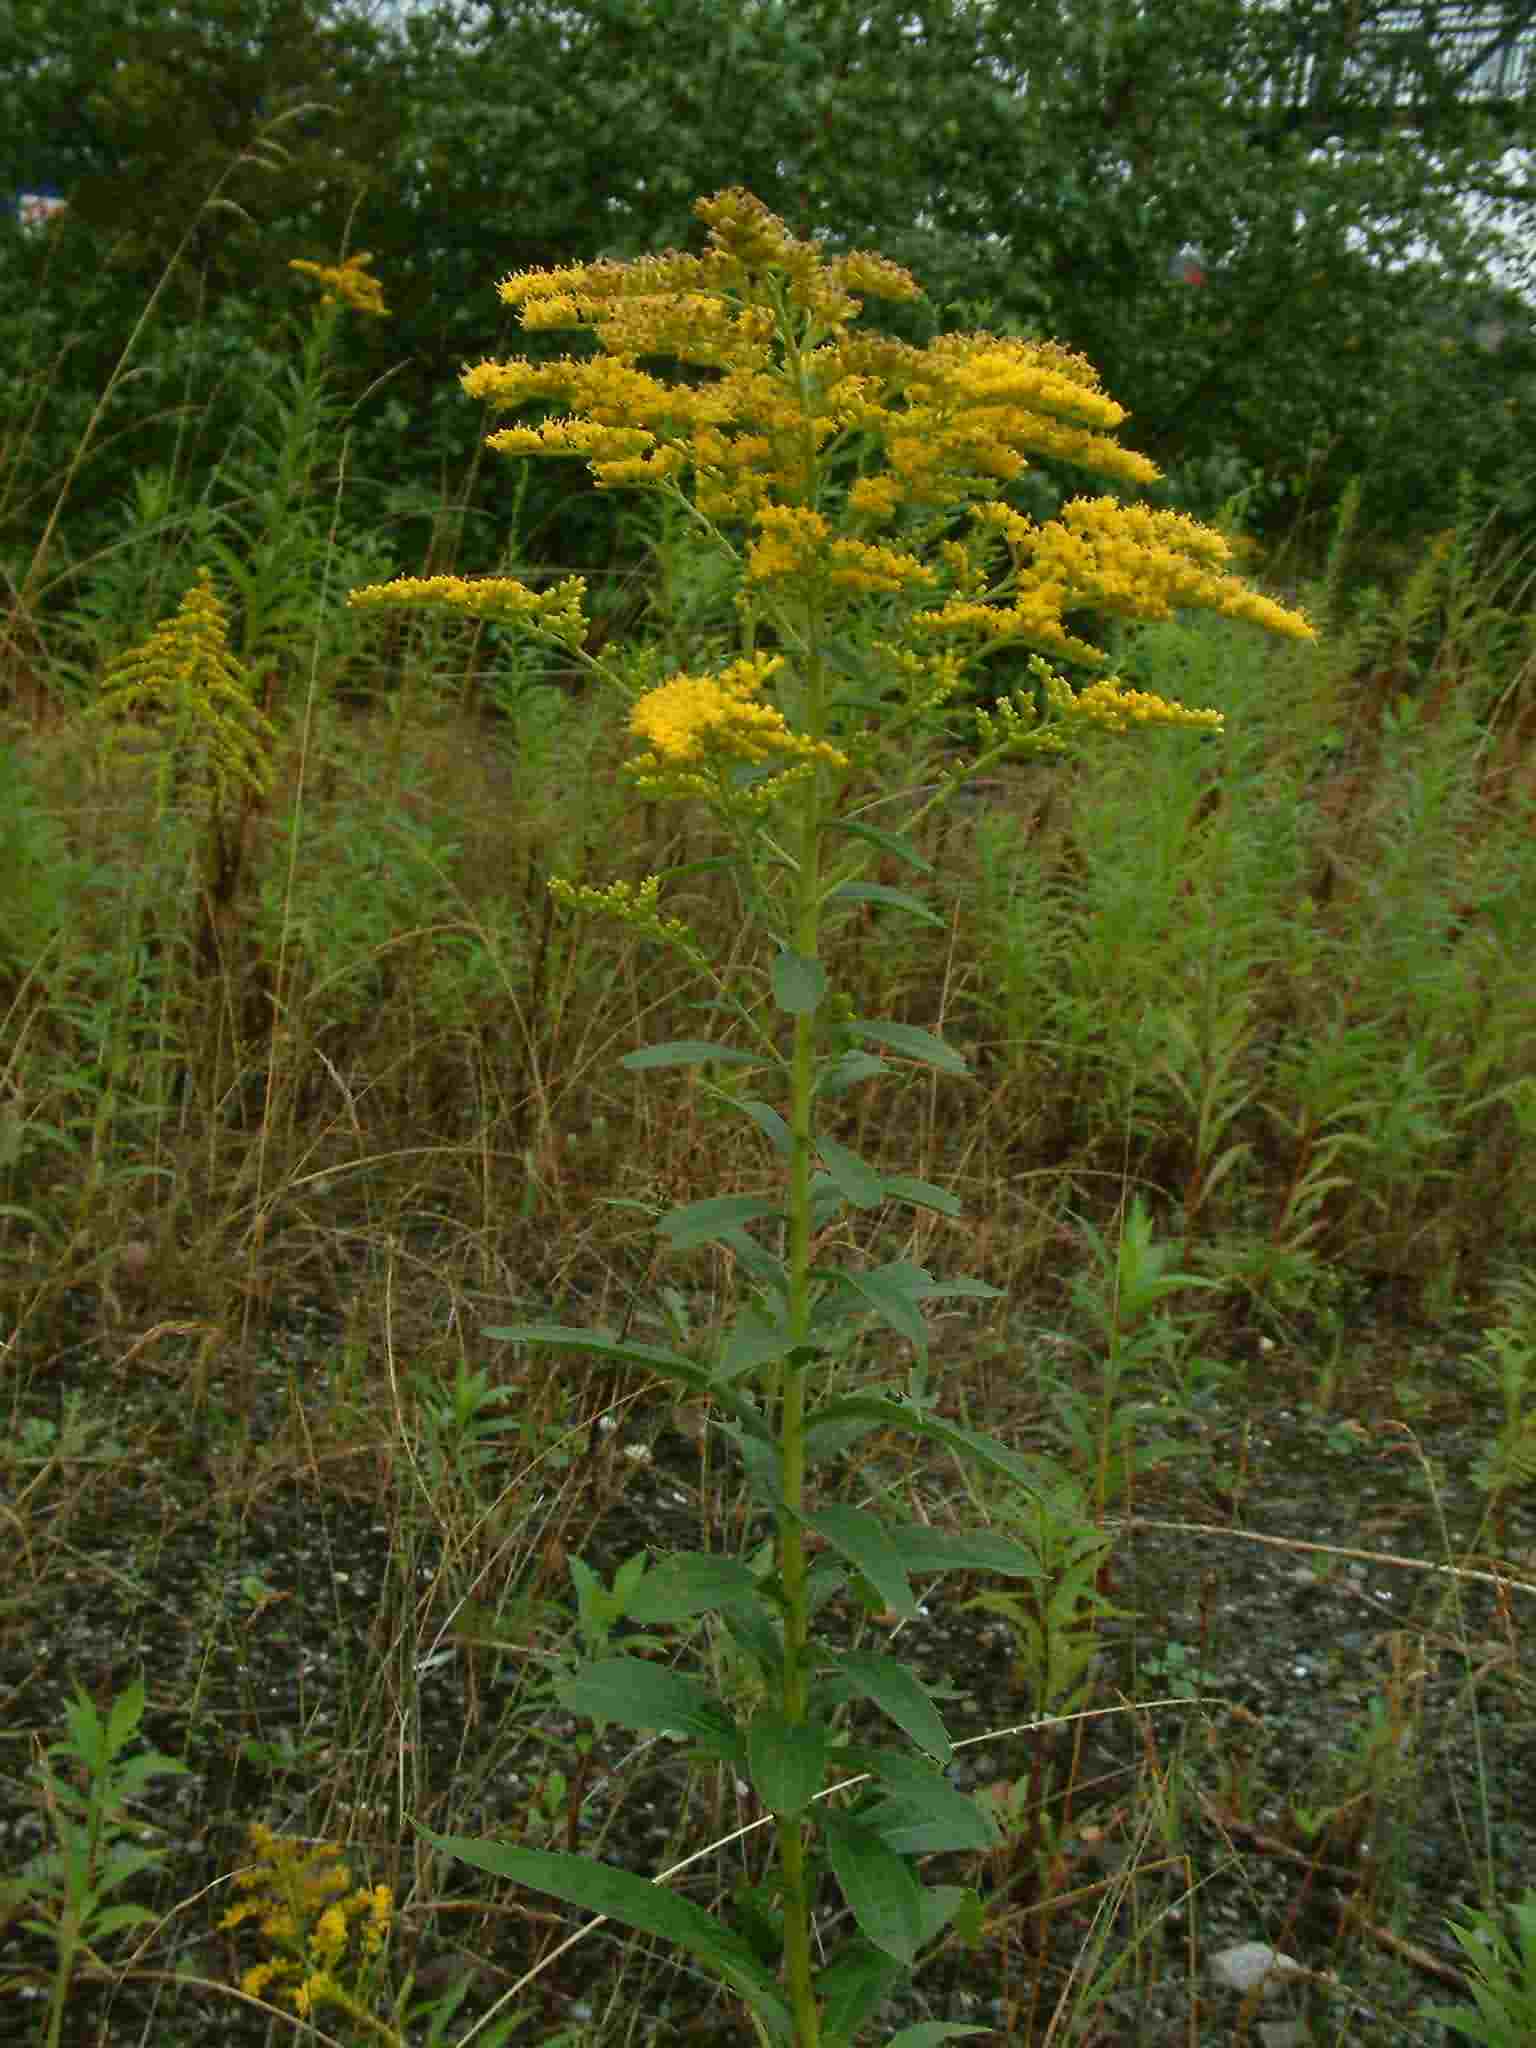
<point>793,1570</point>
<point>68,1943</point>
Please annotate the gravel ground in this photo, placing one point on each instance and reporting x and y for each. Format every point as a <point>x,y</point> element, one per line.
<point>1346,1736</point>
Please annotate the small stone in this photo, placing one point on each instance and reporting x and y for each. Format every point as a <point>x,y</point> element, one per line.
<point>1249,1963</point>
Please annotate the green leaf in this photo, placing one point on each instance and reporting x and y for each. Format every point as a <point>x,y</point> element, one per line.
<point>635,1694</point>
<point>687,1052</point>
<point>921,1194</point>
<point>757,1263</point>
<point>847,1071</point>
<point>786,1761</point>
<point>967,1550</point>
<point>853,1986</point>
<point>891,1299</point>
<point>760,1459</point>
<point>117,1917</point>
<point>754,1633</point>
<point>928,2034</point>
<point>670,1365</point>
<point>690,1583</point>
<point>896,1690</point>
<point>895,1412</point>
<point>799,984</point>
<point>924,1815</point>
<point>702,1222</point>
<point>634,1902</point>
<point>908,1039</point>
<point>894,843</point>
<point>894,899</point>
<point>123,1719</point>
<point>769,1122</point>
<point>855,1179</point>
<point>835,1438</point>
<point>865,1541</point>
<point>882,1890</point>
<point>755,1339</point>
<point>962,1289</point>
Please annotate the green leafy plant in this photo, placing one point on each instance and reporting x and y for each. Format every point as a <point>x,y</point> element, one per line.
<point>1508,1369</point>
<point>65,1893</point>
<point>854,489</point>
<point>328,1945</point>
<point>1503,1965</point>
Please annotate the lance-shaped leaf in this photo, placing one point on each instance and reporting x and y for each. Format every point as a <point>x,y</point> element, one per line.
<point>786,1761</point>
<point>929,2033</point>
<point>865,1541</point>
<point>881,1888</point>
<point>908,1039</point>
<point>633,1693</point>
<point>703,1222</point>
<point>892,1411</point>
<point>922,1814</point>
<point>687,1052</point>
<point>855,1179</point>
<point>634,1902</point>
<point>921,1194</point>
<point>669,1365</point>
<point>922,1549</point>
<point>889,1290</point>
<point>895,1690</point>
<point>689,1583</point>
<point>756,1338</point>
<point>894,843</point>
<point>767,1119</point>
<point>893,899</point>
<point>852,1988</point>
<point>847,1071</point>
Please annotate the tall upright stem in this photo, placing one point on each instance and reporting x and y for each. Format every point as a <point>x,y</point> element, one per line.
<point>791,1534</point>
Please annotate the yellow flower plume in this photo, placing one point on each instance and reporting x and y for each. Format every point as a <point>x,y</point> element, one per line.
<point>347,283</point>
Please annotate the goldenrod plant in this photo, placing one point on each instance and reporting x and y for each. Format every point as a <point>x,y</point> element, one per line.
<point>281,558</point>
<point>191,701</point>
<point>854,484</point>
<point>327,1944</point>
<point>66,1892</point>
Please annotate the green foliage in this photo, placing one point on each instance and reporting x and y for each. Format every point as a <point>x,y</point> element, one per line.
<point>63,1893</point>
<point>1500,1948</point>
<point>1020,162</point>
<point>845,1808</point>
<point>185,689</point>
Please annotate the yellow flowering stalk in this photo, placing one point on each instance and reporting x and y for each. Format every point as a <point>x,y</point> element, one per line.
<point>829,471</point>
<point>324,1933</point>
<point>184,687</point>
<point>346,283</point>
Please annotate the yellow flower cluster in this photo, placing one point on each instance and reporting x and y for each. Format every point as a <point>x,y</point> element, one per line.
<point>964,413</point>
<point>1034,618</point>
<point>1130,559</point>
<point>303,1901</point>
<point>692,719</point>
<point>1108,704</point>
<point>502,600</point>
<point>574,437</point>
<point>639,908</point>
<point>190,689</point>
<point>781,389</point>
<point>797,543</point>
<point>347,283</point>
<point>1116,707</point>
<point>1144,563</point>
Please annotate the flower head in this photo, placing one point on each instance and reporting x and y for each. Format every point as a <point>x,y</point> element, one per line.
<point>346,283</point>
